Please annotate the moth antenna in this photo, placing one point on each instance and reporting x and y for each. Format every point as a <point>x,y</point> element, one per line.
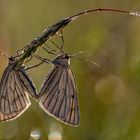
<point>83,59</point>
<point>42,59</point>
<point>59,48</point>
<point>4,54</point>
<point>87,60</point>
<point>73,55</point>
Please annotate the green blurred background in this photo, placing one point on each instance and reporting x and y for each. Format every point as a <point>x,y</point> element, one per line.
<point>109,95</point>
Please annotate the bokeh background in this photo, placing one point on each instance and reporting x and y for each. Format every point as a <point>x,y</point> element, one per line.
<point>109,95</point>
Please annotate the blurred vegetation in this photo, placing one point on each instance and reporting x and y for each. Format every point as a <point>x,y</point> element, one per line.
<point>109,95</point>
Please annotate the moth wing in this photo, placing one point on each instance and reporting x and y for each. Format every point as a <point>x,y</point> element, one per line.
<point>73,116</point>
<point>14,89</point>
<point>28,84</point>
<point>59,97</point>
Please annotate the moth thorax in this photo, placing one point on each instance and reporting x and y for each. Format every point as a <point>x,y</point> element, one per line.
<point>61,62</point>
<point>65,62</point>
<point>12,60</point>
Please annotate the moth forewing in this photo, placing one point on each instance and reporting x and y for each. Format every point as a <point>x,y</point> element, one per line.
<point>14,89</point>
<point>58,93</point>
<point>74,98</point>
<point>25,78</point>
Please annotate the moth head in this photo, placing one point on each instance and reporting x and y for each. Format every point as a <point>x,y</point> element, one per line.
<point>12,60</point>
<point>63,56</point>
<point>63,60</point>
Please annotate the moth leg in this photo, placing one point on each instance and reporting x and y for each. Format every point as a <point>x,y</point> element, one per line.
<point>62,39</point>
<point>34,66</point>
<point>42,61</point>
<point>59,47</point>
<point>51,51</point>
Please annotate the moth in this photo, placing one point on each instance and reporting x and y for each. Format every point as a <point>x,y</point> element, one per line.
<point>58,94</point>
<point>15,88</point>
